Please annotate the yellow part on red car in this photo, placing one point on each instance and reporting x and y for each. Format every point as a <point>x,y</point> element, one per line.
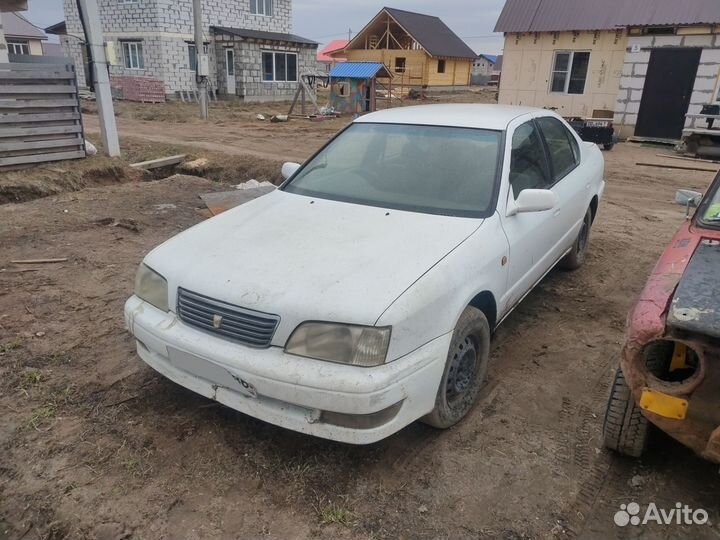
<point>663,404</point>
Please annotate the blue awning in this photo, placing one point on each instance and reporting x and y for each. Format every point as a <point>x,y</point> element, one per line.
<point>359,70</point>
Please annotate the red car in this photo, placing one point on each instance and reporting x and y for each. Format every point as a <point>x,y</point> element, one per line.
<point>669,373</point>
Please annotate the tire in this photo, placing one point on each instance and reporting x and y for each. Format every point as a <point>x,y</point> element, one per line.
<point>625,429</point>
<point>608,147</point>
<point>465,370</point>
<point>576,258</point>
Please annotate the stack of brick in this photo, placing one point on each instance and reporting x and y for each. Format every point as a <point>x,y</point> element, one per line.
<point>132,88</point>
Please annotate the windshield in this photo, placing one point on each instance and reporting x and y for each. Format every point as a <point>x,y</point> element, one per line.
<point>430,169</point>
<point>709,211</point>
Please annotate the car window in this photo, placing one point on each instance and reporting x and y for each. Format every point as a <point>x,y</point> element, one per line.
<point>563,157</point>
<point>528,162</point>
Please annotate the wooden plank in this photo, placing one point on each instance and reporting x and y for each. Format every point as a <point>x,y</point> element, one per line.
<point>663,166</point>
<point>37,89</point>
<point>688,158</point>
<point>39,75</point>
<point>41,117</point>
<point>39,145</point>
<point>40,158</point>
<point>50,130</point>
<point>35,103</point>
<point>39,261</point>
<point>162,162</point>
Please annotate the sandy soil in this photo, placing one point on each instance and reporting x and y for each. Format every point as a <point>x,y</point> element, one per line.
<point>94,444</point>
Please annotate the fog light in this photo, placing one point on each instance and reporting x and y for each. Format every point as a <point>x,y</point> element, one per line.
<point>361,421</point>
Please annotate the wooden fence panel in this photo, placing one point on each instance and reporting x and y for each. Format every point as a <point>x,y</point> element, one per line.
<point>40,117</point>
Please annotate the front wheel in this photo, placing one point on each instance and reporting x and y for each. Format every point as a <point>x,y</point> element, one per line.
<point>465,370</point>
<point>576,257</point>
<point>609,146</point>
<point>625,429</point>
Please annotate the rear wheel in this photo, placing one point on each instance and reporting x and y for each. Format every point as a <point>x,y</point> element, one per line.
<point>465,370</point>
<point>625,429</point>
<point>608,146</point>
<point>576,257</point>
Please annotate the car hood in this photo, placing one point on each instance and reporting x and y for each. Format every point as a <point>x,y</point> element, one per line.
<point>308,259</point>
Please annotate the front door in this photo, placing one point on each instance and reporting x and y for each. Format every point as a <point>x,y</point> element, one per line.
<point>230,71</point>
<point>668,86</point>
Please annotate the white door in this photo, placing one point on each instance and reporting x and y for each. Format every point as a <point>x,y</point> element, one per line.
<point>530,235</point>
<point>230,71</point>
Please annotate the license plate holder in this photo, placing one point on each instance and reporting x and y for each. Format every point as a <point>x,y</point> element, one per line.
<point>211,372</point>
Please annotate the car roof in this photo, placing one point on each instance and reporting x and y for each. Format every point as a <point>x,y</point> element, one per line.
<point>470,115</point>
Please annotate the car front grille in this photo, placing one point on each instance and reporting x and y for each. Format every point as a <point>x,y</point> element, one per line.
<point>225,320</point>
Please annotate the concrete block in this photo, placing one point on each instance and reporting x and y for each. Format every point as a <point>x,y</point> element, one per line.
<point>701,97</point>
<point>627,70</point>
<point>667,41</point>
<point>705,84</point>
<point>710,56</point>
<point>708,70</point>
<point>633,107</point>
<point>634,83</point>
<point>636,95</point>
<point>618,118</point>
<point>642,57</point>
<point>630,119</point>
<point>640,69</point>
<point>698,41</point>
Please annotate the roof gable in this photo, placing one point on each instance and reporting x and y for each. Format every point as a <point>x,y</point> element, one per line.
<point>560,15</point>
<point>335,45</point>
<point>431,33</point>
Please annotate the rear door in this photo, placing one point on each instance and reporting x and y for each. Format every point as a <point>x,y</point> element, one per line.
<point>569,182</point>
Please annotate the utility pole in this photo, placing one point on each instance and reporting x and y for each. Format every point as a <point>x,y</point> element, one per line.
<point>202,67</point>
<point>349,34</point>
<point>90,16</point>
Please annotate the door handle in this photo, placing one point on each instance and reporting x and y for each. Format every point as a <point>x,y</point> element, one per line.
<point>556,213</point>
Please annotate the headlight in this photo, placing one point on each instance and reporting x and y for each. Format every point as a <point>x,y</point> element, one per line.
<point>151,287</point>
<point>342,343</point>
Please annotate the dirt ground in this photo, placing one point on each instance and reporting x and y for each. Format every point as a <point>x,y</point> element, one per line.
<point>94,444</point>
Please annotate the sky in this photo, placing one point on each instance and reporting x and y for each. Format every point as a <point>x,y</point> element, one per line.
<point>325,20</point>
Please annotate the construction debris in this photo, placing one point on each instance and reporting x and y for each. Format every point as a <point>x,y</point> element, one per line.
<point>39,261</point>
<point>680,167</point>
<point>279,118</point>
<point>160,162</point>
<point>124,223</point>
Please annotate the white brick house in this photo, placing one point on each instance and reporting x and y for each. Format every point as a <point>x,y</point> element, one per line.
<point>154,38</point>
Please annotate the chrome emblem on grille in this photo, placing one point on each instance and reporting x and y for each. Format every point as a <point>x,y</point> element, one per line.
<point>217,321</point>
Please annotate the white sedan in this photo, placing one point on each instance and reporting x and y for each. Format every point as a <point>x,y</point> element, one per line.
<point>362,294</point>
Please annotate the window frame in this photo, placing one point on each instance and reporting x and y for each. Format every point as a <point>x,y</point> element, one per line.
<point>127,56</point>
<point>274,53</point>
<point>441,62</point>
<point>575,148</point>
<point>267,7</point>
<point>548,170</point>
<point>13,44</point>
<point>398,68</point>
<point>568,72</point>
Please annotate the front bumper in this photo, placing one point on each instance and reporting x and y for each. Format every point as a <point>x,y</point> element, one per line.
<point>700,429</point>
<point>287,390</point>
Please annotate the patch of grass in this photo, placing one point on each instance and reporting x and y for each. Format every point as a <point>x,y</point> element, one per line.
<point>330,513</point>
<point>42,415</point>
<point>11,345</point>
<point>31,377</point>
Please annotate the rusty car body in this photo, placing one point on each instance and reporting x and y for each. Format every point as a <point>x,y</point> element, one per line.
<point>669,372</point>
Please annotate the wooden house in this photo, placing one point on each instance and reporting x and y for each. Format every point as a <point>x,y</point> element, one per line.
<point>420,50</point>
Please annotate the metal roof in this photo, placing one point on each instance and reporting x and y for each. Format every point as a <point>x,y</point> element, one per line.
<point>491,57</point>
<point>15,25</point>
<point>433,34</point>
<point>559,15</point>
<point>359,70</point>
<point>335,45</point>
<point>260,34</point>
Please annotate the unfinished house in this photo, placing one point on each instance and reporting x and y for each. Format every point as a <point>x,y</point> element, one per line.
<point>649,64</point>
<point>420,50</point>
<point>252,54</point>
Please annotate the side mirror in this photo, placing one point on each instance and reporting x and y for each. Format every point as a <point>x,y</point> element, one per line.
<point>535,200</point>
<point>687,198</point>
<point>288,169</point>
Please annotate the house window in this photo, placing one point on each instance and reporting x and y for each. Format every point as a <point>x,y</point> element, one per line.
<point>133,54</point>
<point>569,72</point>
<point>400,64</point>
<point>192,55</point>
<point>279,66</point>
<point>441,66</point>
<point>261,7</point>
<point>18,47</point>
